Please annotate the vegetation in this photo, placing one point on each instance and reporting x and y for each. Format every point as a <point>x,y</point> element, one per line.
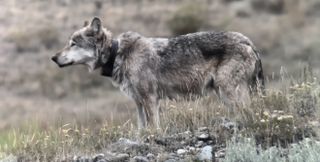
<point>187,19</point>
<point>70,112</point>
<point>273,125</point>
<point>34,39</point>
<point>245,150</point>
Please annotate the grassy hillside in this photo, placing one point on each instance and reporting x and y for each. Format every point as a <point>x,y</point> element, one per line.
<point>278,119</point>
<point>47,113</point>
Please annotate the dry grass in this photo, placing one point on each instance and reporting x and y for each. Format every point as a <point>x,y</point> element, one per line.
<point>33,40</point>
<point>32,88</point>
<point>187,19</point>
<point>272,120</point>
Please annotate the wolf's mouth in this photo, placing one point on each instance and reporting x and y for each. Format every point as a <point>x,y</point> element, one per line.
<point>67,64</point>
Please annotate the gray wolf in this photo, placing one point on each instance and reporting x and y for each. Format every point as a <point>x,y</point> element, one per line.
<point>151,69</point>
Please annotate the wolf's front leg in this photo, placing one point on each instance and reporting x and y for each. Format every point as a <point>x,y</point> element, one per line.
<point>148,113</point>
<point>141,118</point>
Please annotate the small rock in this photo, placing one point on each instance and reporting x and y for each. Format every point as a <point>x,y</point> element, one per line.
<point>199,144</point>
<point>192,149</point>
<point>129,147</point>
<point>75,158</point>
<point>98,158</point>
<point>181,151</point>
<point>172,155</point>
<point>228,124</point>
<point>203,129</point>
<point>203,136</point>
<point>187,133</point>
<point>205,154</point>
<point>127,141</point>
<point>80,159</point>
<point>150,156</point>
<point>220,154</point>
<point>170,160</point>
<point>166,156</point>
<point>123,156</point>
<point>140,159</point>
<point>119,157</point>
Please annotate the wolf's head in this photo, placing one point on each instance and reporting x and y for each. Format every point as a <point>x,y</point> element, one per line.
<point>89,46</point>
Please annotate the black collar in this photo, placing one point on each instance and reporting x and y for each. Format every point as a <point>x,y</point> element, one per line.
<point>107,68</point>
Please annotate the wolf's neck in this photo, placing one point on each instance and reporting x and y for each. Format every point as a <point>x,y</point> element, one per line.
<point>107,68</point>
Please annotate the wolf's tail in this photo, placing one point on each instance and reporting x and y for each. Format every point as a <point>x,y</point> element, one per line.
<point>258,77</point>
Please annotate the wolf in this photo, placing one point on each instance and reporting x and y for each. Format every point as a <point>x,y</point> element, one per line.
<point>151,69</point>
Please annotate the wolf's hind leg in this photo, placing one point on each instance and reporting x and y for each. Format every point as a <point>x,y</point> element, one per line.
<point>231,84</point>
<point>233,96</point>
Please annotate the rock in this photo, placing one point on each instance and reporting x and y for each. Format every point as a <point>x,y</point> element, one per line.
<point>227,124</point>
<point>75,158</point>
<point>129,147</point>
<point>167,156</point>
<point>81,159</point>
<point>98,158</point>
<point>181,151</point>
<point>123,156</point>
<point>206,154</point>
<point>118,157</point>
<point>220,154</point>
<point>151,156</point>
<point>203,136</point>
<point>172,155</point>
<point>192,149</point>
<point>170,160</point>
<point>203,129</point>
<point>176,141</point>
<point>140,159</point>
<point>199,144</point>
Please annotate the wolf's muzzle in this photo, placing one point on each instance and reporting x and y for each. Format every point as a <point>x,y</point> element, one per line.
<point>55,59</point>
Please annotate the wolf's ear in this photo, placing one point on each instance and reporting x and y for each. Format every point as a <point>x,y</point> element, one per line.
<point>96,25</point>
<point>85,23</point>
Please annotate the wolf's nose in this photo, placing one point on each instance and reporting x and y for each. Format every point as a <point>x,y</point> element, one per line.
<point>54,58</point>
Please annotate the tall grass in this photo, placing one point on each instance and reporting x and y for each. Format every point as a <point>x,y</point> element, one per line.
<point>277,119</point>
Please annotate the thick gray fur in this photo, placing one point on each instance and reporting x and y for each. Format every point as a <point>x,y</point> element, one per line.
<point>187,66</point>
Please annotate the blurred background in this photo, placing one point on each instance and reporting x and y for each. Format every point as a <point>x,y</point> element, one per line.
<point>34,89</point>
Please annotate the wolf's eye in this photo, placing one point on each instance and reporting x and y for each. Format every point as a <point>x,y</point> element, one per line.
<point>72,44</point>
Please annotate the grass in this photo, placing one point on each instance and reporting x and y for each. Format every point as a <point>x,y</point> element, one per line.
<point>277,119</point>
<point>187,19</point>
<point>46,36</point>
<point>64,142</point>
<point>246,150</point>
<point>283,116</point>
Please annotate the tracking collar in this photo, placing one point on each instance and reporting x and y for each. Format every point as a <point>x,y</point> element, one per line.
<point>107,67</point>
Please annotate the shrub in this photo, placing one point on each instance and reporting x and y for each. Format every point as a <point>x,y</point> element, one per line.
<point>187,19</point>
<point>48,36</point>
<point>271,6</point>
<point>32,40</point>
<point>245,150</point>
<point>22,40</point>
